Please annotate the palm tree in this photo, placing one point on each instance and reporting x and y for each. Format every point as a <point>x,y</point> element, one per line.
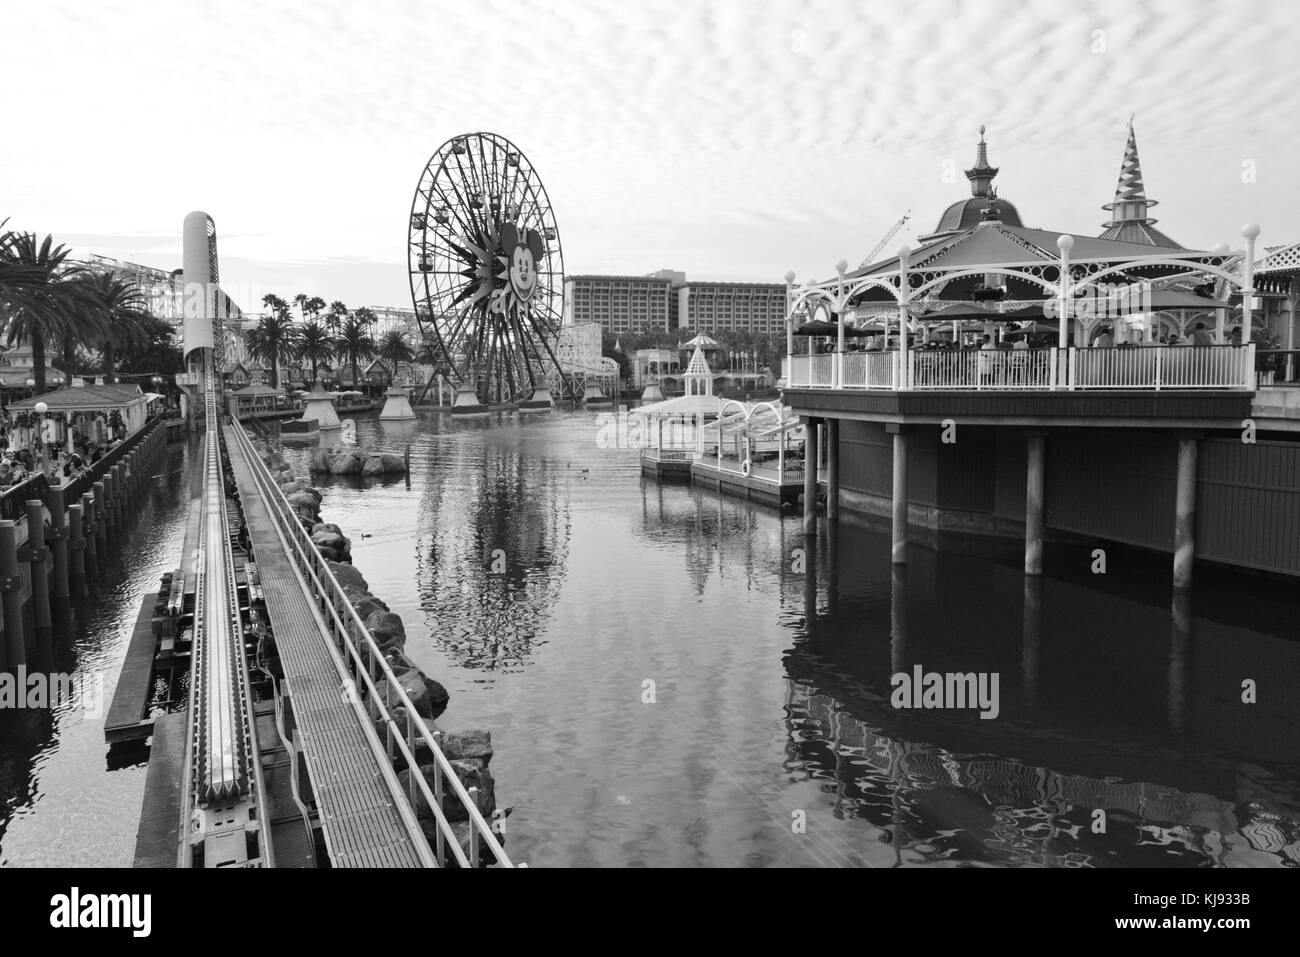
<point>274,304</point>
<point>272,340</point>
<point>365,316</point>
<point>394,349</point>
<point>355,343</point>
<point>314,305</point>
<point>122,314</point>
<point>315,345</point>
<point>40,301</point>
<point>337,313</point>
<point>300,301</point>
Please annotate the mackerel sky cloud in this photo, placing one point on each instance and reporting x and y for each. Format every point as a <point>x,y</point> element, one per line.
<point>733,140</point>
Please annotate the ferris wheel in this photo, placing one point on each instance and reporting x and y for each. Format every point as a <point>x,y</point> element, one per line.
<point>486,268</point>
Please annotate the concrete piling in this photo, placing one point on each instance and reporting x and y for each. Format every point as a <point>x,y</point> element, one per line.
<point>14,651</point>
<point>58,537</point>
<point>37,555</point>
<point>101,520</point>
<point>76,529</point>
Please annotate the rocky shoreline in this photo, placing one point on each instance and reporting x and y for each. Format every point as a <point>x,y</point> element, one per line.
<point>468,752</point>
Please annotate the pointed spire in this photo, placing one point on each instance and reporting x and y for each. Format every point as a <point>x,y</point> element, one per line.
<point>981,174</point>
<point>1131,203</point>
<point>1130,185</point>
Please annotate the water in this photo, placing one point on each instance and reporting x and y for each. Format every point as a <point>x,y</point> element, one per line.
<point>61,802</point>
<point>770,738</point>
<point>767,737</point>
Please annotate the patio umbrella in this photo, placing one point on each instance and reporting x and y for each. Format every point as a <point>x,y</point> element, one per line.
<point>961,310</point>
<point>817,328</point>
<point>1033,327</point>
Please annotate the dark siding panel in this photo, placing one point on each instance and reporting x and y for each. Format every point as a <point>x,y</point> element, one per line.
<point>1248,504</point>
<point>866,457</point>
<point>966,474</point>
<point>1009,493</point>
<point>1113,485</point>
<point>924,460</point>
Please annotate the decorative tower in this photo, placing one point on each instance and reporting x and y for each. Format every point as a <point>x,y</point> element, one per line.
<point>698,376</point>
<point>981,174</point>
<point>1130,222</point>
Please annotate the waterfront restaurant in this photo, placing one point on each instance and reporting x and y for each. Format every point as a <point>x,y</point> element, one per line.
<point>98,412</point>
<point>1139,441</point>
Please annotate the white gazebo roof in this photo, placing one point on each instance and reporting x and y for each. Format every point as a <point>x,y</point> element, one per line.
<point>684,405</point>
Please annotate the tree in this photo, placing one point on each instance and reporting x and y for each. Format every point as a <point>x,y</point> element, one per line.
<point>338,311</point>
<point>365,316</point>
<point>272,340</point>
<point>300,301</point>
<point>355,343</point>
<point>394,349</point>
<point>275,305</point>
<point>154,352</point>
<point>315,345</point>
<point>122,315</point>
<point>40,302</point>
<point>313,307</point>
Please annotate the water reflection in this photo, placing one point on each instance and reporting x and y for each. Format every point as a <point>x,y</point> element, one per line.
<point>1023,790</point>
<point>491,553</point>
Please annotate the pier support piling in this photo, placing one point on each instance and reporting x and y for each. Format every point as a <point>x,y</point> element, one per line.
<point>99,517</point>
<point>899,537</point>
<point>832,470</point>
<point>1185,513</point>
<point>76,541</point>
<point>36,554</point>
<point>11,594</point>
<point>58,536</point>
<point>809,475</point>
<point>1035,491</point>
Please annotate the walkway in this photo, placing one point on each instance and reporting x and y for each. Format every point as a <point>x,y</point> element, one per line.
<point>362,825</point>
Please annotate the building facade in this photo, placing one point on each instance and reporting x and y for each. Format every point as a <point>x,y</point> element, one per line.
<point>618,304</point>
<point>667,300</point>
<point>714,307</point>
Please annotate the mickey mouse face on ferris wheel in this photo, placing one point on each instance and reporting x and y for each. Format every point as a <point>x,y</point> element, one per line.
<point>524,250</point>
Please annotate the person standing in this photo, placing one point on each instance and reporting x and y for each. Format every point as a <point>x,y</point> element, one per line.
<point>1201,336</point>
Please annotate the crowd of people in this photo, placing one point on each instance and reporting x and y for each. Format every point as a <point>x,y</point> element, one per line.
<point>61,465</point>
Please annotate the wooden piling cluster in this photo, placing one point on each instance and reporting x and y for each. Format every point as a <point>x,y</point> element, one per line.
<point>66,536</point>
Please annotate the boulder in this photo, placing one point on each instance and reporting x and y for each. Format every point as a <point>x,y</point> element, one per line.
<point>393,464</point>
<point>329,554</point>
<point>304,499</point>
<point>374,466</point>
<point>348,575</point>
<point>468,746</point>
<point>386,628</point>
<point>325,537</point>
<point>365,603</point>
<point>320,460</point>
<point>428,697</point>
<point>344,465</point>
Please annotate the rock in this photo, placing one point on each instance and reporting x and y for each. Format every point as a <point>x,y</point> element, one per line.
<point>428,697</point>
<point>326,527</point>
<point>468,746</point>
<point>365,603</point>
<point>344,465</point>
<point>374,466</point>
<point>386,628</point>
<point>327,553</point>
<point>303,499</point>
<point>333,539</point>
<point>393,464</point>
<point>320,460</point>
<point>347,575</point>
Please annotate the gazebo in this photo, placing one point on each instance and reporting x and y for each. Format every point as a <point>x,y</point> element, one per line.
<point>99,412</point>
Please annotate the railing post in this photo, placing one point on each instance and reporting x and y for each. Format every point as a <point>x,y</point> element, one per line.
<point>76,541</point>
<point>35,554</point>
<point>58,536</point>
<point>1072,368</point>
<point>13,653</point>
<point>1159,367</point>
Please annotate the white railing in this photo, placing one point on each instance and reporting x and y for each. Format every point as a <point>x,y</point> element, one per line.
<point>869,370</point>
<point>1034,370</point>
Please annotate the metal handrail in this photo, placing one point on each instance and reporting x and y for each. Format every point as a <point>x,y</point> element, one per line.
<point>349,631</point>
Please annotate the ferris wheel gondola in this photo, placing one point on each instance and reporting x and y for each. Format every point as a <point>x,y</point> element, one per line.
<point>486,267</point>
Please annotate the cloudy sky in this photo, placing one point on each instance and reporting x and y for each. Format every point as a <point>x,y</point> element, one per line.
<point>732,140</point>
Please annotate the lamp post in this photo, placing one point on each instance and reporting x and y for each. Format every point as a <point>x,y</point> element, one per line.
<point>41,409</point>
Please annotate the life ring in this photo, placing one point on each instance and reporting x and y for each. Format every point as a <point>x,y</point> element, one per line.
<point>744,468</point>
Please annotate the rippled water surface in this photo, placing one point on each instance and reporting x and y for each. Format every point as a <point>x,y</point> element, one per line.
<point>666,686</point>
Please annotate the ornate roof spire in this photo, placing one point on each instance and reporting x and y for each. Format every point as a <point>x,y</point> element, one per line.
<point>981,174</point>
<point>1130,221</point>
